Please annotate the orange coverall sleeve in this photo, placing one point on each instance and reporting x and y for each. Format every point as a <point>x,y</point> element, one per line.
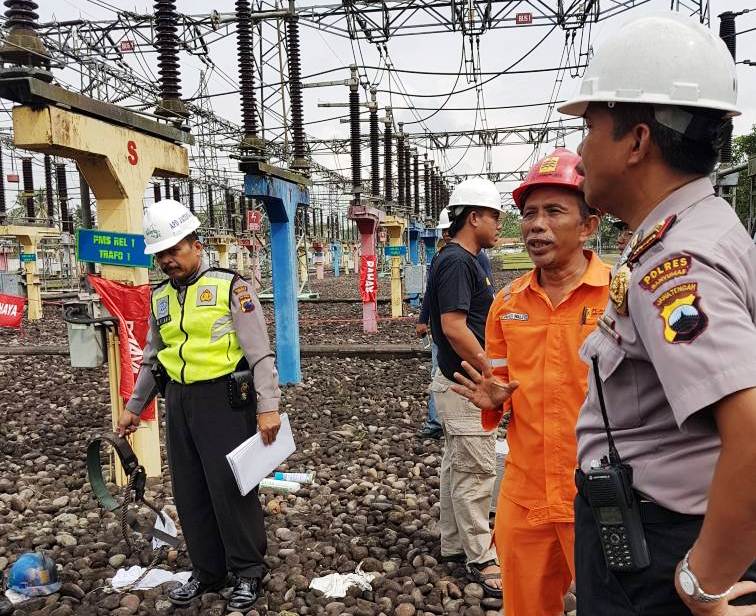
<point>496,352</point>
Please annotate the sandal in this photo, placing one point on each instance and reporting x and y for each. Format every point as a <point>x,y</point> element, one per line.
<point>476,573</point>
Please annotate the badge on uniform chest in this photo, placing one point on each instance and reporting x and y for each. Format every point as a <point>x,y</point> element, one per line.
<point>620,284</point>
<point>207,295</point>
<point>162,311</point>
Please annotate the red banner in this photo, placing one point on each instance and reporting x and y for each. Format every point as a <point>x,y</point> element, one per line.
<point>368,279</point>
<point>131,306</point>
<point>11,310</point>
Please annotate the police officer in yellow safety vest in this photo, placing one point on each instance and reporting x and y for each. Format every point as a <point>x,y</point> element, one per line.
<point>208,353</point>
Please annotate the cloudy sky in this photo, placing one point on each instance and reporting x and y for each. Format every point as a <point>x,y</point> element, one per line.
<point>498,50</point>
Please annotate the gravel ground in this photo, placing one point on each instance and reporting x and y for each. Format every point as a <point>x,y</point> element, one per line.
<point>375,499</point>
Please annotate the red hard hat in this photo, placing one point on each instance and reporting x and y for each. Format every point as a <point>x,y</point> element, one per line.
<point>557,169</point>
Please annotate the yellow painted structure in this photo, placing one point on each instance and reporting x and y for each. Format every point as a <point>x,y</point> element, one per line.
<point>29,236</point>
<point>221,244</point>
<point>395,230</point>
<point>117,163</point>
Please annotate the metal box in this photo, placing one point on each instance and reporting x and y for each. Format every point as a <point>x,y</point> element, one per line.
<point>86,341</point>
<point>414,279</point>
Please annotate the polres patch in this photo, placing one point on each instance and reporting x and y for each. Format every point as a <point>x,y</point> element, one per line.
<point>671,268</point>
<point>207,295</point>
<point>680,310</point>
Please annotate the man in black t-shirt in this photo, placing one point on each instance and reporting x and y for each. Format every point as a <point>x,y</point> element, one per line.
<point>459,296</point>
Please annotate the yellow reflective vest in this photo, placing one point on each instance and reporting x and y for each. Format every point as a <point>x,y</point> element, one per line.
<point>198,332</point>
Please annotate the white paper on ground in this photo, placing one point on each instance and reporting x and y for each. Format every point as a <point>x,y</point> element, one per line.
<point>167,526</point>
<point>253,461</point>
<point>335,585</point>
<point>156,577</point>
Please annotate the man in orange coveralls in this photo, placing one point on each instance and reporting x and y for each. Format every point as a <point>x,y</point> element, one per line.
<point>534,330</point>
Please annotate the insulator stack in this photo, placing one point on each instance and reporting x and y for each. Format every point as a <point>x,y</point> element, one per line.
<point>62,185</point>
<point>426,188</point>
<point>49,189</point>
<point>22,45</point>
<point>322,227</point>
<point>314,221</point>
<point>354,134</point>
<point>407,177</point>
<point>167,44</point>
<point>246,69</point>
<point>299,162</point>
<point>375,178</point>
<point>727,34</point>
<point>434,185</point>
<point>156,192</point>
<point>176,193</point>
<point>229,209</point>
<point>400,170</point>
<point>2,189</point>
<point>243,211</point>
<point>87,220</point>
<point>388,171</point>
<point>167,185</point>
<point>306,218</point>
<point>191,196</point>
<point>210,209</point>
<point>26,170</point>
<point>416,182</point>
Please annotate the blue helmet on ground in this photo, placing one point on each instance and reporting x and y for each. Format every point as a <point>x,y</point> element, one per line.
<point>34,575</point>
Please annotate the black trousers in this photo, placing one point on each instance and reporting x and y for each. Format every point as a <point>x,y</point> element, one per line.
<point>223,530</point>
<point>650,592</point>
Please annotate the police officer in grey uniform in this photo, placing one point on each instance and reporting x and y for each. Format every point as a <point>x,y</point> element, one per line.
<point>676,346</point>
<point>208,345</point>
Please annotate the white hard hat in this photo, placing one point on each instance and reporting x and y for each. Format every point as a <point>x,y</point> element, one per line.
<point>443,220</point>
<point>475,192</point>
<point>165,224</point>
<point>664,59</point>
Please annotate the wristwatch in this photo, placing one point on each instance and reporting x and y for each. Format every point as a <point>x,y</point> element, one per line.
<point>692,589</point>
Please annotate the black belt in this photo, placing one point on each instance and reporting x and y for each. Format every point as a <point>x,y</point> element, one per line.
<point>651,512</point>
<point>215,380</point>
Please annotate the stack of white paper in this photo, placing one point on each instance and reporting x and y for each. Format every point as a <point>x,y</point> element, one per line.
<point>252,461</point>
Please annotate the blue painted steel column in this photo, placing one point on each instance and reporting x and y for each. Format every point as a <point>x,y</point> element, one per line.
<point>414,244</point>
<point>281,199</point>
<point>430,239</point>
<point>336,258</point>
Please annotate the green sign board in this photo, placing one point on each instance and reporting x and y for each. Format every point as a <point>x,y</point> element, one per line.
<point>395,251</point>
<point>111,248</point>
<point>28,257</point>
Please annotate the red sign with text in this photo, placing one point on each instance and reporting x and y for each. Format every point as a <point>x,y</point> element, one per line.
<point>11,310</point>
<point>524,19</point>
<point>368,279</point>
<point>126,45</point>
<point>12,178</point>
<point>254,220</point>
<point>131,306</point>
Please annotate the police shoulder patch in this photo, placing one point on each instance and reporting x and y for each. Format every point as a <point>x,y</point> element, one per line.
<point>680,310</point>
<point>162,310</point>
<point>669,269</point>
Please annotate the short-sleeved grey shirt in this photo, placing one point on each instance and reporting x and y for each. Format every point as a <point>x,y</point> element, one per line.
<point>689,341</point>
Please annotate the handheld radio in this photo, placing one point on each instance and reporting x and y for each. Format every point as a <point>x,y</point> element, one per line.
<point>615,506</point>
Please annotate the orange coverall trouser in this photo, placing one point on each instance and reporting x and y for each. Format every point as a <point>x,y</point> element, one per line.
<point>537,562</point>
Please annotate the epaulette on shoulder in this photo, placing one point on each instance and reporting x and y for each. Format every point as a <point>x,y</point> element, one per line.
<point>222,273</point>
<point>654,237</point>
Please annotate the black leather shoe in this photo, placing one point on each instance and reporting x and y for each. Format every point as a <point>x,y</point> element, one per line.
<point>183,595</point>
<point>429,432</point>
<point>244,595</point>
